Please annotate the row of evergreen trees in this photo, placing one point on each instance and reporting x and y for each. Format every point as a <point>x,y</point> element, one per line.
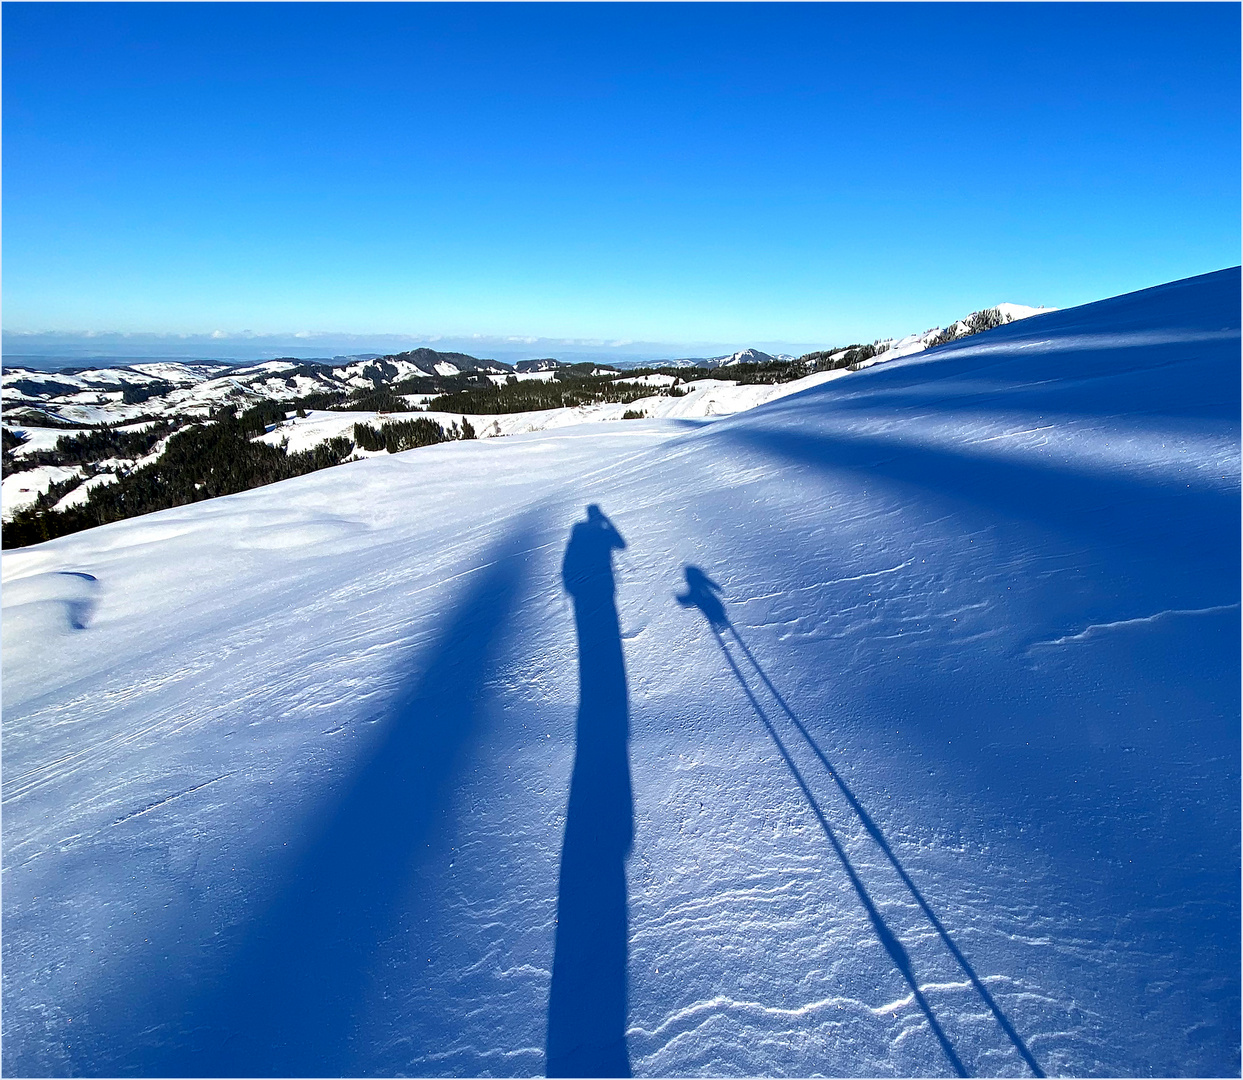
<point>398,435</point>
<point>771,371</point>
<point>136,395</point>
<point>567,389</point>
<point>200,461</point>
<point>977,323</point>
<point>851,357</point>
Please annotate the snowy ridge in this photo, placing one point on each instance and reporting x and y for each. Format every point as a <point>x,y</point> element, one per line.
<point>976,322</point>
<point>927,703</point>
<point>1097,628</point>
<point>127,397</point>
<point>95,395</point>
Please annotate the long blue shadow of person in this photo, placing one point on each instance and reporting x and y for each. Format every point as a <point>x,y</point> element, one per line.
<point>587,1001</point>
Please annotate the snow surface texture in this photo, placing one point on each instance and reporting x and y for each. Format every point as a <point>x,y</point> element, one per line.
<point>890,728</point>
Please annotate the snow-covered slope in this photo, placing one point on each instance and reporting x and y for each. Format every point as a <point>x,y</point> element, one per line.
<point>915,736</point>
<point>701,398</point>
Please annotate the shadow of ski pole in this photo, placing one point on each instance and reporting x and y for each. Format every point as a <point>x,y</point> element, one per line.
<point>897,952</point>
<point>875,833</point>
<point>703,593</point>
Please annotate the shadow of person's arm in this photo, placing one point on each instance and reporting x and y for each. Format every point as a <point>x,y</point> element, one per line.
<point>608,529</point>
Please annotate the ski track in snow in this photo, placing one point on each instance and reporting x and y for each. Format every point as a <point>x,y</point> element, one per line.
<point>959,769</point>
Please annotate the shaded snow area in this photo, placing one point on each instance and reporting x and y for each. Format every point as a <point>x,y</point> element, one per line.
<point>889,728</point>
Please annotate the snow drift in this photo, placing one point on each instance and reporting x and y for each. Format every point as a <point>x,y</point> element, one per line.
<point>889,728</point>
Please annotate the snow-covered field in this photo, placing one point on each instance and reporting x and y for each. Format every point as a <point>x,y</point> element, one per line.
<point>912,748</point>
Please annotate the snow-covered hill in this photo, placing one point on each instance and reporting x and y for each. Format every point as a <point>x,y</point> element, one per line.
<point>887,728</point>
<point>132,398</point>
<point>118,395</point>
<point>703,398</point>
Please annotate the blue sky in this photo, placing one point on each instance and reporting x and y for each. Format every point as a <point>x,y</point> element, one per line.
<point>740,174</point>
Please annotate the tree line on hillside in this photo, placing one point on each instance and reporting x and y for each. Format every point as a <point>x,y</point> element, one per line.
<point>563,391</point>
<point>136,395</point>
<point>99,444</point>
<point>988,319</point>
<point>31,416</point>
<point>398,435</point>
<point>43,387</point>
<point>850,357</point>
<point>205,460</point>
<point>200,461</point>
<point>748,374</point>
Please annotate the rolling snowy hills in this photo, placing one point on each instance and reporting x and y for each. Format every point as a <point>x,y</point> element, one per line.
<point>887,728</point>
<point>122,394</point>
<point>139,397</point>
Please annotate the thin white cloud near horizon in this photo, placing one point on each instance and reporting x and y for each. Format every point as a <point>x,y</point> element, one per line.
<point>46,348</point>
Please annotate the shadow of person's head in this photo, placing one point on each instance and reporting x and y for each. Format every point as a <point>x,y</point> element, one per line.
<point>588,565</point>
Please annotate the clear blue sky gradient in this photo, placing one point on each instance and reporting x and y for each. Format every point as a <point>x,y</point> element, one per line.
<point>730,173</point>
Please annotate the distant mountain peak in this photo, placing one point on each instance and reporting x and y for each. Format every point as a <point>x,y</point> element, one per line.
<point>744,356</point>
